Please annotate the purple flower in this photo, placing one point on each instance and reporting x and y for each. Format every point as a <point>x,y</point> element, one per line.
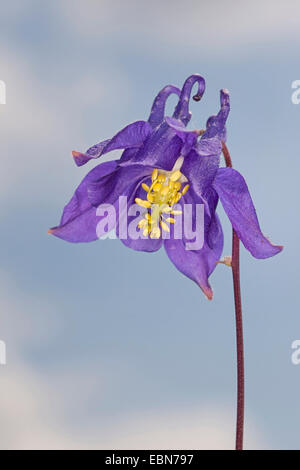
<point>164,165</point>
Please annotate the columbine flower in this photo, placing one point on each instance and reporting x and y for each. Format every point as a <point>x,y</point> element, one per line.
<point>165,165</point>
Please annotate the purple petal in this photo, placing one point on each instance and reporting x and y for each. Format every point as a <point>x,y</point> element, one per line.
<point>202,163</point>
<point>235,197</point>
<point>93,152</point>
<point>160,150</point>
<point>182,109</point>
<point>188,137</point>
<point>123,181</point>
<point>198,265</point>
<point>158,108</point>
<point>179,127</point>
<point>200,171</point>
<point>79,220</point>
<point>164,146</point>
<point>127,156</point>
<point>148,245</point>
<point>132,136</point>
<point>211,140</point>
<point>210,204</point>
<point>215,126</point>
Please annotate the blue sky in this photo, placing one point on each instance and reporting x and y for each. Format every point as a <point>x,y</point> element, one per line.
<point>107,347</point>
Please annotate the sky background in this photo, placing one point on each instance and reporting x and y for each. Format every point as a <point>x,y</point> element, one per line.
<point>111,348</point>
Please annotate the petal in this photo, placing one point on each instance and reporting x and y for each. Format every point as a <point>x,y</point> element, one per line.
<point>158,108</point>
<point>93,152</point>
<point>123,181</point>
<point>182,109</point>
<point>188,137</point>
<point>210,205</point>
<point>127,156</point>
<point>79,220</point>
<point>198,265</point>
<point>148,245</point>
<point>215,126</point>
<point>132,136</point>
<point>164,147</point>
<point>235,197</point>
<point>161,149</point>
<point>202,162</point>
<point>200,170</point>
<point>179,127</point>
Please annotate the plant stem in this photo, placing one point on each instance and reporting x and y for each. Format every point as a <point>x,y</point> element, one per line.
<point>235,265</point>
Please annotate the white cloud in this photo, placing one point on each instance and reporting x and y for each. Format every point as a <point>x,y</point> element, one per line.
<point>27,110</point>
<point>207,427</point>
<point>28,423</point>
<point>35,406</point>
<point>27,122</point>
<point>39,121</point>
<point>211,26</point>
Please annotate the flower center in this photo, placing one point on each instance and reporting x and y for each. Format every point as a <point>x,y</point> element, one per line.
<point>165,191</point>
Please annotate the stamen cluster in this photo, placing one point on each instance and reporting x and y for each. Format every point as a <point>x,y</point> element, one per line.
<point>163,193</point>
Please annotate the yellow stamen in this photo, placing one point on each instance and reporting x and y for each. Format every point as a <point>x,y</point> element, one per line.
<point>175,175</point>
<point>157,187</point>
<point>150,197</point>
<point>154,174</point>
<point>142,223</point>
<point>155,233</point>
<point>164,191</point>
<point>184,191</point>
<point>145,187</point>
<point>161,178</point>
<point>167,209</point>
<point>142,203</point>
<point>162,194</point>
<point>164,226</point>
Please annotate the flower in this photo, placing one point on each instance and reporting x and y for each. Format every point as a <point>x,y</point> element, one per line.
<point>164,165</point>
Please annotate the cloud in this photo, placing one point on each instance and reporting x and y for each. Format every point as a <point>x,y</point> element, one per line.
<point>210,26</point>
<point>206,427</point>
<point>27,422</point>
<point>53,410</point>
<point>40,120</point>
<point>27,122</point>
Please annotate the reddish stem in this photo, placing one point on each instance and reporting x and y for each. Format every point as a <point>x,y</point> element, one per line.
<point>235,265</point>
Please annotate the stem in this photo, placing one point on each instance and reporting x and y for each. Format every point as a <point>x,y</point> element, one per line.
<point>235,265</point>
